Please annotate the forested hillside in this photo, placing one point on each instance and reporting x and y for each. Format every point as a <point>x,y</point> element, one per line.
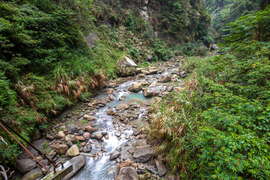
<point>218,127</point>
<point>226,11</point>
<point>55,53</point>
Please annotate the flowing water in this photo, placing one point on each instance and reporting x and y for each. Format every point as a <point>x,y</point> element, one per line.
<point>101,168</point>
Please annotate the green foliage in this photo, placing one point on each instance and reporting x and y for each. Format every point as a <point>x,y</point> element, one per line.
<point>161,51</point>
<point>45,64</point>
<point>219,127</point>
<point>253,27</point>
<point>35,39</point>
<point>183,21</point>
<point>7,96</point>
<point>226,11</point>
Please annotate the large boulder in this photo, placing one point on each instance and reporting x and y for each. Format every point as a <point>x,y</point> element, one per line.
<point>60,148</point>
<point>127,173</point>
<point>143,154</point>
<point>25,165</point>
<point>137,86</point>
<point>153,91</point>
<point>73,151</point>
<point>128,62</point>
<point>33,175</point>
<point>77,163</point>
<point>127,67</point>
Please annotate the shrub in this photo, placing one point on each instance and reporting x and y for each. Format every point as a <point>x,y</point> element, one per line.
<point>161,51</point>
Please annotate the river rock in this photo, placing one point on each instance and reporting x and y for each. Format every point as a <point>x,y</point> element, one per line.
<point>79,138</point>
<point>125,155</point>
<point>122,107</point>
<point>114,155</point>
<point>183,74</point>
<point>33,175</point>
<point>143,154</point>
<point>127,173</point>
<point>99,102</point>
<point>89,118</point>
<point>111,85</point>
<point>166,77</point>
<point>80,132</point>
<point>152,91</point>
<point>111,97</point>
<point>151,70</point>
<point>97,136</point>
<point>86,135</point>
<point>72,128</point>
<point>90,129</point>
<point>152,169</point>
<point>70,138</point>
<point>136,86</point>
<point>87,148</point>
<point>73,151</point>
<point>60,148</point>
<point>126,61</point>
<point>111,112</point>
<point>61,134</point>
<point>161,168</point>
<point>77,163</point>
<point>25,165</point>
<point>110,91</point>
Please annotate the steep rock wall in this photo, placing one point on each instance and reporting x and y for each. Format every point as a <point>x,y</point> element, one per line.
<point>177,21</point>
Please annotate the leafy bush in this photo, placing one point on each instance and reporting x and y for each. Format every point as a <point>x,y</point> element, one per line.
<point>161,51</point>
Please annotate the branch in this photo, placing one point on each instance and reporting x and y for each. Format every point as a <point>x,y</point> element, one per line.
<point>3,172</point>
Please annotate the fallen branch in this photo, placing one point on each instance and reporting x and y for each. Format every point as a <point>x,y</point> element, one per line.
<point>5,173</point>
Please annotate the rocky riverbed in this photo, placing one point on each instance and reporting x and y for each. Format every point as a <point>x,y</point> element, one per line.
<point>109,132</point>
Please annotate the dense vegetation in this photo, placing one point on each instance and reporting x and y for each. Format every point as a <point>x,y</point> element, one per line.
<point>46,64</point>
<point>218,127</point>
<point>226,11</point>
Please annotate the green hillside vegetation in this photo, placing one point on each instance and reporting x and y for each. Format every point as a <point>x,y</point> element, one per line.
<point>226,11</point>
<point>218,128</point>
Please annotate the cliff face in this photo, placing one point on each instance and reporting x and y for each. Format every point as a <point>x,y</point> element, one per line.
<point>177,21</point>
